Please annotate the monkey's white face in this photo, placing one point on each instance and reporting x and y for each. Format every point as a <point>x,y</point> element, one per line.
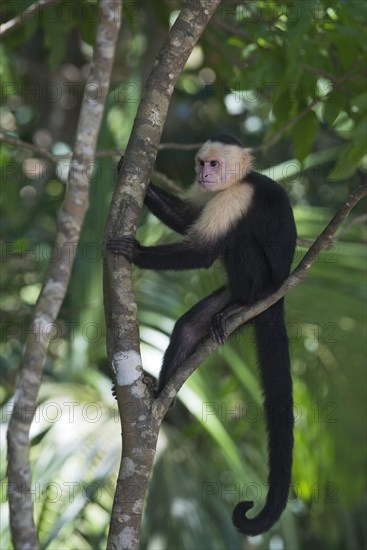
<point>209,173</point>
<point>218,165</point>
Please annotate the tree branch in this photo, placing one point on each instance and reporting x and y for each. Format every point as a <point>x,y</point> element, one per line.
<point>42,152</point>
<point>12,24</point>
<point>180,146</point>
<point>322,242</point>
<point>169,183</point>
<point>236,31</point>
<point>276,137</point>
<point>54,289</point>
<point>140,433</point>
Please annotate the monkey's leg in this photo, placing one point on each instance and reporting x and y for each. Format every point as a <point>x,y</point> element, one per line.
<point>188,330</point>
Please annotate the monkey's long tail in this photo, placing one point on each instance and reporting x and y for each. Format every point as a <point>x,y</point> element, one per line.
<point>272,346</point>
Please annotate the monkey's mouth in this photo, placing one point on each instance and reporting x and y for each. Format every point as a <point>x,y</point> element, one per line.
<point>208,182</point>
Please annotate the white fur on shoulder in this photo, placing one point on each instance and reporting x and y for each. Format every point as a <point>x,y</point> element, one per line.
<point>221,212</point>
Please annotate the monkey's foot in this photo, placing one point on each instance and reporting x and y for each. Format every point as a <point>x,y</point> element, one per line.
<point>218,330</point>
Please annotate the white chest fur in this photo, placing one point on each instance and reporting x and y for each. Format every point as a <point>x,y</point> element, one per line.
<point>222,212</point>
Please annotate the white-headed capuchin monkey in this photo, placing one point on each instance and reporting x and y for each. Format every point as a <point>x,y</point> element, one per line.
<point>244,218</point>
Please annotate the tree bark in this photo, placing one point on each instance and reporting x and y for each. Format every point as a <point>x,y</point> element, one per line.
<point>24,534</point>
<point>28,13</point>
<point>140,425</point>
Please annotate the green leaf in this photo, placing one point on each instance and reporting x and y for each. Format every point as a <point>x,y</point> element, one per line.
<point>360,102</point>
<point>303,134</point>
<point>236,42</point>
<point>56,24</point>
<point>347,44</point>
<point>332,107</point>
<point>360,132</point>
<point>284,109</point>
<point>348,161</point>
<point>88,25</point>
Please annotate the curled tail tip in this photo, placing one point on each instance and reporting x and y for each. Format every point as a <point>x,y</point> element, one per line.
<point>251,526</point>
<point>239,513</point>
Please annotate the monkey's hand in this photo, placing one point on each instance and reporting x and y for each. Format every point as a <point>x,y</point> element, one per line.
<point>218,328</point>
<point>125,246</point>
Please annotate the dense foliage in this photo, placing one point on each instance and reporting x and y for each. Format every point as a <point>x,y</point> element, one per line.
<point>287,78</point>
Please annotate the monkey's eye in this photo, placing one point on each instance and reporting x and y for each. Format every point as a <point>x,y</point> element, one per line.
<point>214,163</point>
<point>201,162</point>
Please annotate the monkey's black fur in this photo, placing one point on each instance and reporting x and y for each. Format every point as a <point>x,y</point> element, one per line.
<point>257,252</point>
<point>226,139</point>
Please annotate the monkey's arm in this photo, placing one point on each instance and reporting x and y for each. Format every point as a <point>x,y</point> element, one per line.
<point>171,210</point>
<point>175,256</point>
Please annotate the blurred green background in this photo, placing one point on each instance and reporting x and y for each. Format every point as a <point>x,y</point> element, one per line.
<point>288,79</point>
